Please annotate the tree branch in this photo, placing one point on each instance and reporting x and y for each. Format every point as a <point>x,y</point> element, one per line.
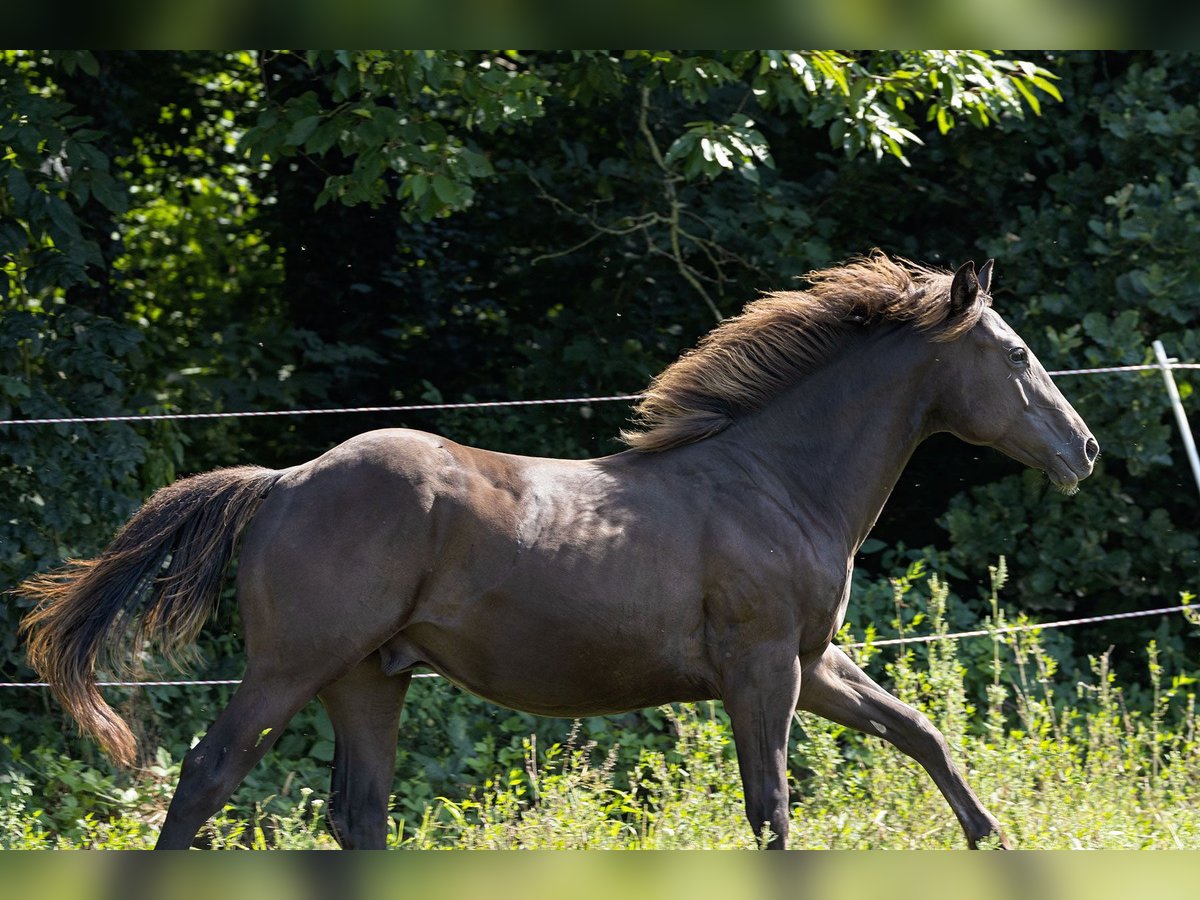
<point>672,219</point>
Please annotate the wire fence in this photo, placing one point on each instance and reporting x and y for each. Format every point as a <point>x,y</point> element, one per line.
<point>886,642</point>
<point>1013,629</point>
<point>1164,366</point>
<point>210,682</point>
<point>409,407</point>
<point>468,404</point>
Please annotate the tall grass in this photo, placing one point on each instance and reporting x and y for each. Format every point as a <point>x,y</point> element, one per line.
<point>1061,765</point>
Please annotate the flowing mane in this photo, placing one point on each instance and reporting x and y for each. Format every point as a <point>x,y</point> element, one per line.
<point>748,359</point>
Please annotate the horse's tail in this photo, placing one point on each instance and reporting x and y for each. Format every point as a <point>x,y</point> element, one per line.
<point>162,571</point>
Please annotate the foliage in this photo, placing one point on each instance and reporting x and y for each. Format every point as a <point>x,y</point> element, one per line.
<point>51,168</point>
<point>1061,764</point>
<point>414,115</point>
<point>223,231</point>
<point>1100,232</point>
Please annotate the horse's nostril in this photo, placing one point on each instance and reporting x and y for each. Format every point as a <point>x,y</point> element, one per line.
<point>1091,450</point>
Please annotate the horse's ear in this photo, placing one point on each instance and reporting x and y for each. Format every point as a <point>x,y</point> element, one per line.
<point>964,288</point>
<point>985,276</point>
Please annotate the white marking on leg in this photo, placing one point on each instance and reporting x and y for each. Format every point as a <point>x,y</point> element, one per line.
<point>878,727</point>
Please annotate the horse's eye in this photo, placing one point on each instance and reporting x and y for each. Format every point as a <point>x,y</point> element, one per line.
<point>1018,356</point>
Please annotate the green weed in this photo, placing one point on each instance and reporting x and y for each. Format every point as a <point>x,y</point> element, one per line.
<point>1061,765</point>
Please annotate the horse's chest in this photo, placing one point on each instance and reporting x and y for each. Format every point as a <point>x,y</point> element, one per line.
<point>774,593</point>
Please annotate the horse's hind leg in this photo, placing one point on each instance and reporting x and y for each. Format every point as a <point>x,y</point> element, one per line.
<point>244,731</point>
<point>364,706</point>
<point>835,688</point>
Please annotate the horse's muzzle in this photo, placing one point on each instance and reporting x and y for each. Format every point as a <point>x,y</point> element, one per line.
<point>1072,467</point>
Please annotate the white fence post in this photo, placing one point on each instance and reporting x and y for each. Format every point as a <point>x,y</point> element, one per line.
<point>1189,443</point>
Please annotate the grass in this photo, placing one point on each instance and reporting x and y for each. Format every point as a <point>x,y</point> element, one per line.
<point>1060,765</point>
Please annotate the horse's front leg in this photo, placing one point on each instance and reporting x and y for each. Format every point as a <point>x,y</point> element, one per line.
<point>760,694</point>
<point>835,688</point>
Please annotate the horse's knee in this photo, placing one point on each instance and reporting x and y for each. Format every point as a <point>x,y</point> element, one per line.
<point>915,735</point>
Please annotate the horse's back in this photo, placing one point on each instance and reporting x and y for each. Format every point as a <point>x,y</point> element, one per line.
<point>388,516</point>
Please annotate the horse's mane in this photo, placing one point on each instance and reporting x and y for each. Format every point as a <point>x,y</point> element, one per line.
<point>746,360</point>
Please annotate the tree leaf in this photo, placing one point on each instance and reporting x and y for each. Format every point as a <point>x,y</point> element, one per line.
<point>420,184</point>
<point>1029,96</point>
<point>302,129</point>
<point>87,62</point>
<point>446,190</point>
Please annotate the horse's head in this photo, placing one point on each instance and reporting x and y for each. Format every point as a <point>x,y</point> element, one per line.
<point>998,394</point>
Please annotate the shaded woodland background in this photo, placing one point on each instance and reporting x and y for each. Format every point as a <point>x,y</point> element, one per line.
<point>197,231</point>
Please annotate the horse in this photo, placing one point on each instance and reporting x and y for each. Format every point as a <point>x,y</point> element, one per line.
<point>711,559</point>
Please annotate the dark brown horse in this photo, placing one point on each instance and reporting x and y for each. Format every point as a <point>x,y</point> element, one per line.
<point>711,560</point>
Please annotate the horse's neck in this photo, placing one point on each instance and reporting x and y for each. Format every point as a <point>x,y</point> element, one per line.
<point>839,440</point>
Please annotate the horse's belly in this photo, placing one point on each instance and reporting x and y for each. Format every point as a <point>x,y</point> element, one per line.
<point>572,702</point>
<point>553,671</point>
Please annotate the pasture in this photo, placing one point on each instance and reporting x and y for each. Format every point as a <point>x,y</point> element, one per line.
<point>271,252</point>
<point>1062,763</point>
